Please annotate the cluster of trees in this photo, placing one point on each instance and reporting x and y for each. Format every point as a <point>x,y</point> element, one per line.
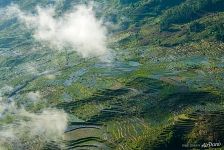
<point>216,30</point>
<point>196,27</point>
<point>128,1</point>
<point>190,10</point>
<point>156,6</point>
<point>219,31</point>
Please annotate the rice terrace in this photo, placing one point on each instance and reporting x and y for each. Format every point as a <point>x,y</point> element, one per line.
<point>111,74</point>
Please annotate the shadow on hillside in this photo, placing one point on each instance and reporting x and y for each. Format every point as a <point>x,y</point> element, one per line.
<point>143,97</point>
<point>205,126</point>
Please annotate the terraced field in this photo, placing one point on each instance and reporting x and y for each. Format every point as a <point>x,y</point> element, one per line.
<point>160,87</point>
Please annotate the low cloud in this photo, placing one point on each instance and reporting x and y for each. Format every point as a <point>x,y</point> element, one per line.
<point>79,29</point>
<point>31,129</point>
<point>30,68</point>
<point>5,90</point>
<point>34,96</point>
<point>50,77</point>
<point>50,124</point>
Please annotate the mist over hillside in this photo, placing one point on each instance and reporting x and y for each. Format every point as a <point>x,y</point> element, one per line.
<point>111,75</point>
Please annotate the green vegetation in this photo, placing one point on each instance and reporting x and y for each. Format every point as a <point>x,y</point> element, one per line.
<point>190,10</point>
<point>163,89</point>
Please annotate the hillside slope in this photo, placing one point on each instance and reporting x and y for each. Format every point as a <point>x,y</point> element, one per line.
<point>163,89</point>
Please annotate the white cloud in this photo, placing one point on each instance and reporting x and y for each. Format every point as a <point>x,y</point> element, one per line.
<point>50,124</point>
<point>2,108</point>
<point>5,89</point>
<point>30,129</point>
<point>30,68</point>
<point>50,77</point>
<point>78,29</point>
<point>34,96</point>
<point>33,130</point>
